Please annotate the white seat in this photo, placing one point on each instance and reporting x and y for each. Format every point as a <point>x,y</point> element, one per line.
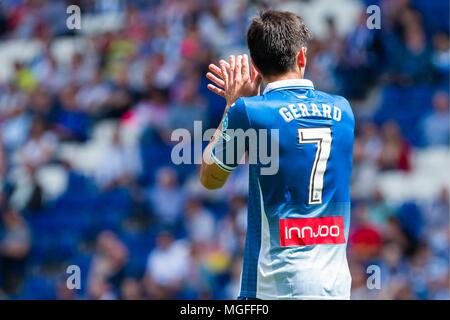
<point>430,174</point>
<point>53,180</point>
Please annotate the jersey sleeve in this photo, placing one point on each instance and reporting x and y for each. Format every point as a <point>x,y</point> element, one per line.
<point>229,148</point>
<point>347,109</point>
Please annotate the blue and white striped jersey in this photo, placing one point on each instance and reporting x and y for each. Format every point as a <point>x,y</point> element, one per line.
<point>298,215</point>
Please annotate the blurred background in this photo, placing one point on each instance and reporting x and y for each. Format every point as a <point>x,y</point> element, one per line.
<point>86,176</point>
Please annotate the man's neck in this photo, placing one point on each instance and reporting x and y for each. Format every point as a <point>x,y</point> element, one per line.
<point>285,76</point>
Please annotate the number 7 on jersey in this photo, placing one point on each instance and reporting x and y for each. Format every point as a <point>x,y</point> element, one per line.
<point>322,138</point>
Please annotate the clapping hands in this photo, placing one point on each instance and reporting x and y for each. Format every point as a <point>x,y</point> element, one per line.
<point>234,79</point>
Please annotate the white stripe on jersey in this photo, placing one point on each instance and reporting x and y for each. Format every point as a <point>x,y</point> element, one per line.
<point>319,273</point>
<point>265,283</point>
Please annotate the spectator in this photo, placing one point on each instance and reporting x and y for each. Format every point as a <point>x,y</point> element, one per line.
<point>436,125</point>
<point>416,67</point>
<point>359,283</point>
<point>166,198</point>
<point>41,105</point>
<point>437,213</point>
<point>167,267</point>
<point>119,164</point>
<point>13,118</point>
<point>93,95</point>
<point>437,221</point>
<point>199,222</point>
<point>107,270</point>
<point>396,152</point>
<point>101,290</point>
<point>199,279</point>
<point>120,99</point>
<point>441,54</point>
<point>372,141</point>
<point>40,146</point>
<point>152,112</point>
<point>357,61</point>
<point>3,169</point>
<point>365,239</point>
<point>80,70</point>
<point>24,78</point>
<point>64,293</point>
<point>426,269</point>
<point>392,263</point>
<point>189,108</point>
<point>15,247</point>
<point>71,122</point>
<point>379,210</point>
<point>131,289</point>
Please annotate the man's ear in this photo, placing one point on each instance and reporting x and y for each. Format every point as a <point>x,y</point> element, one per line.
<point>301,58</point>
<point>254,66</point>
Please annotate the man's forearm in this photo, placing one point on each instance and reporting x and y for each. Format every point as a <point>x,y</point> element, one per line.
<point>211,176</point>
<point>207,151</point>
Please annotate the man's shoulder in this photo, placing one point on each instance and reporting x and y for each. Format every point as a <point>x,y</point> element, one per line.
<point>257,103</point>
<point>337,99</point>
<point>244,104</point>
<point>250,101</point>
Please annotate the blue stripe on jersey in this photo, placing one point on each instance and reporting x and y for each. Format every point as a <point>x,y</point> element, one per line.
<point>253,239</point>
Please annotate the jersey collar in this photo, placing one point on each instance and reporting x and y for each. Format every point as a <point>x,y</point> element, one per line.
<point>290,83</point>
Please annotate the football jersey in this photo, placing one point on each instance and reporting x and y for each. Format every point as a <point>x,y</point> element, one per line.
<point>298,214</point>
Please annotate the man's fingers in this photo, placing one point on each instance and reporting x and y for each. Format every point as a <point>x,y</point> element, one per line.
<point>232,62</point>
<point>245,68</point>
<point>215,70</point>
<point>224,61</point>
<point>238,69</point>
<point>223,69</point>
<point>215,79</point>
<point>216,90</point>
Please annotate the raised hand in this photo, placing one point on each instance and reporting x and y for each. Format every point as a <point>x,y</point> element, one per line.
<point>234,79</point>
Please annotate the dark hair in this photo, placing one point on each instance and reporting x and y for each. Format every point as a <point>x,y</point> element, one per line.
<point>274,40</point>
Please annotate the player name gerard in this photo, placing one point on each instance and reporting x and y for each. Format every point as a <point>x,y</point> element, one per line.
<point>300,110</point>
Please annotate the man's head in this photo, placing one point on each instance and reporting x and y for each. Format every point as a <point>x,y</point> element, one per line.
<point>277,43</point>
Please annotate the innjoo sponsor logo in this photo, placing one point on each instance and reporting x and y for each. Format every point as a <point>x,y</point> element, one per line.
<point>311,231</point>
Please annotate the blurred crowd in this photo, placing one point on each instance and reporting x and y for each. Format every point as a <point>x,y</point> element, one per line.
<point>139,226</point>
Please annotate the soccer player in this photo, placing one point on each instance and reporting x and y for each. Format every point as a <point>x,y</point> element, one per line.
<point>298,218</point>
